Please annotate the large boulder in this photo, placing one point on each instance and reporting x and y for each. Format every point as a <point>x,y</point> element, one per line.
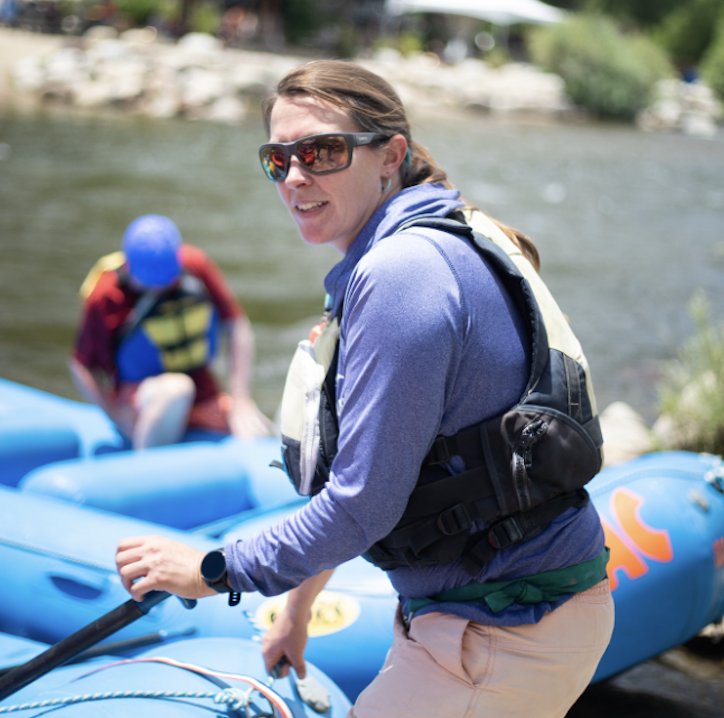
<point>625,434</point>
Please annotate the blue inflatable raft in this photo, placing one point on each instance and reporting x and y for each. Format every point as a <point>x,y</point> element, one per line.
<point>663,515</point>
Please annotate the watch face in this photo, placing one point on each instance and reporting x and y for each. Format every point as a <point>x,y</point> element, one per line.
<point>213,567</point>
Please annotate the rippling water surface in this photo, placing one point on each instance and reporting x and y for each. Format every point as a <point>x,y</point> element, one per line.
<point>629,225</point>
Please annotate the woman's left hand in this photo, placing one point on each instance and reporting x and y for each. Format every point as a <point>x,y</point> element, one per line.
<point>155,563</point>
<point>284,643</point>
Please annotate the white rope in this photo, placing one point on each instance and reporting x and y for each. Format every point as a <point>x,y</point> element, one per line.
<point>68,700</point>
<point>233,697</point>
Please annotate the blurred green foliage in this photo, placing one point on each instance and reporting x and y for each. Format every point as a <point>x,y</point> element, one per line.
<point>712,67</point>
<point>411,43</point>
<point>301,21</point>
<point>348,43</point>
<point>692,389</point>
<point>642,13</point>
<point>138,12</point>
<point>497,57</point>
<point>686,32</point>
<point>206,17</point>
<point>610,73</point>
<point>406,43</point>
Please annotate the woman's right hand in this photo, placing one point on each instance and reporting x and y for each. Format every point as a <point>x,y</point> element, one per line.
<point>157,563</point>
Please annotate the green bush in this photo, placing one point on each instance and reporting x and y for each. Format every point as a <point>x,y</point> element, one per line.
<point>206,17</point>
<point>712,66</point>
<point>139,11</point>
<point>686,32</point>
<point>609,73</point>
<point>692,389</point>
<point>406,43</point>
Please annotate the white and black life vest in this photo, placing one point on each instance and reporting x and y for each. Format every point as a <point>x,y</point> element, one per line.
<point>524,467</point>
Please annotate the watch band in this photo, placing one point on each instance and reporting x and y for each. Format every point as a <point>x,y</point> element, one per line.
<point>213,571</point>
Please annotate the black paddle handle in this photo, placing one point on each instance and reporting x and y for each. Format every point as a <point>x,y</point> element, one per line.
<point>69,647</point>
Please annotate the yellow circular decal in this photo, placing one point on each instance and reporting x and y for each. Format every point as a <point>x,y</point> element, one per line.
<point>331,612</point>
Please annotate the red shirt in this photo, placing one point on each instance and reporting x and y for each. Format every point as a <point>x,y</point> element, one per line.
<point>109,304</point>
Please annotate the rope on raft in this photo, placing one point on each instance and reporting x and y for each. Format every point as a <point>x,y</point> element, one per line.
<point>235,698</point>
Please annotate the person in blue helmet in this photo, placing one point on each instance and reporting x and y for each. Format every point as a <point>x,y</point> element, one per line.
<point>150,328</point>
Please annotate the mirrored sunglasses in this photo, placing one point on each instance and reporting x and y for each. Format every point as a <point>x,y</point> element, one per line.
<point>318,154</point>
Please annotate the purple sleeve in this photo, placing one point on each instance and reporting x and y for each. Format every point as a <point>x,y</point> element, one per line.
<point>400,349</point>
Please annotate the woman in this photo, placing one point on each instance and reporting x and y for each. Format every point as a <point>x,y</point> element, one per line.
<point>433,338</point>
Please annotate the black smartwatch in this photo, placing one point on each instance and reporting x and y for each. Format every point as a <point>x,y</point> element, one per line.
<point>213,571</point>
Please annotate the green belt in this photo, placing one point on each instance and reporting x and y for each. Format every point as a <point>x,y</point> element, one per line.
<point>548,587</point>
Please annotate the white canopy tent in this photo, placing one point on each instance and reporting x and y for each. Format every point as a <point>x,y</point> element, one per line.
<point>499,12</point>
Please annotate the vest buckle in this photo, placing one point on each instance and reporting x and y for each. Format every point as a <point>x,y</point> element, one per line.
<point>454,520</point>
<point>505,533</point>
<point>439,452</point>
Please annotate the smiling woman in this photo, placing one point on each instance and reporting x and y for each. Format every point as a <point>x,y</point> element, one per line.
<point>329,209</point>
<point>441,419</point>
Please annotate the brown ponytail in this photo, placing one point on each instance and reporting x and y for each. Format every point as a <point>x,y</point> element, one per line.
<point>524,244</point>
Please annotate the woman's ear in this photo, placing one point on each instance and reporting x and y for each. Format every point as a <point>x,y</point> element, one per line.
<point>395,151</point>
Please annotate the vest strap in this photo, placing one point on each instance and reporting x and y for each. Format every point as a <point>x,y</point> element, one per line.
<point>469,486</point>
<point>511,530</point>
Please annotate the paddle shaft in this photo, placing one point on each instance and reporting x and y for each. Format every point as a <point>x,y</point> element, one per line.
<point>69,647</point>
<point>118,647</point>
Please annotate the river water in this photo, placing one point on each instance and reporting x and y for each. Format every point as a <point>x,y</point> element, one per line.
<point>629,225</point>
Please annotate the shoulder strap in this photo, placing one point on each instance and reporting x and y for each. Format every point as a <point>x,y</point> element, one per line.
<point>514,282</point>
<point>145,304</point>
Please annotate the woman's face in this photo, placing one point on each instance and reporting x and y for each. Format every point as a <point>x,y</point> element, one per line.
<point>332,208</point>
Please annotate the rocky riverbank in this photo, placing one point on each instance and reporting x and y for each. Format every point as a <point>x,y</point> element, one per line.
<point>197,78</point>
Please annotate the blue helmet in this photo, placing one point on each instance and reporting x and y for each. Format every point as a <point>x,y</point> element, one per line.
<point>151,244</point>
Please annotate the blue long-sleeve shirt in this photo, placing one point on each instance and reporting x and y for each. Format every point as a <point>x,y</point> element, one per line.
<point>429,343</point>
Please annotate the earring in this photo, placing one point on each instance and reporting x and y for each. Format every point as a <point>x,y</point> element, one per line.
<point>389,184</point>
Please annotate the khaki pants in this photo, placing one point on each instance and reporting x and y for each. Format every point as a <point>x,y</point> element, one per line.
<point>449,667</point>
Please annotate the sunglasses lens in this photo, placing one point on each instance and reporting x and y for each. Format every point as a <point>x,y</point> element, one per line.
<point>272,160</point>
<point>319,155</point>
<point>324,154</point>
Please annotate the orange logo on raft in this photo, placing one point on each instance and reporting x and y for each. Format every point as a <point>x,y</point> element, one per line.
<point>631,540</point>
<point>719,553</point>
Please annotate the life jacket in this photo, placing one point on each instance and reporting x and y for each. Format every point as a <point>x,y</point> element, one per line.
<point>524,467</point>
<point>172,331</point>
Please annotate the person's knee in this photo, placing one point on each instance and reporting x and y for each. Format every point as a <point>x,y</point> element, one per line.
<point>179,386</point>
<point>167,389</point>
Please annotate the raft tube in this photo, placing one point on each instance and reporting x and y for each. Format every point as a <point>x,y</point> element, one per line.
<point>663,516</point>
<point>37,428</point>
<point>15,650</point>
<point>195,678</point>
<point>182,486</point>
